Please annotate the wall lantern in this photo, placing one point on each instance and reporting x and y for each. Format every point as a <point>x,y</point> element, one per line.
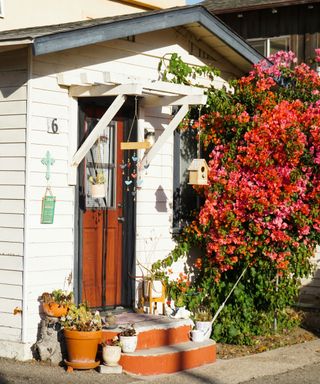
<point>198,172</point>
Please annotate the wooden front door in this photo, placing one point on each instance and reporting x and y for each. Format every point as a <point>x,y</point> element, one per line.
<point>101,229</point>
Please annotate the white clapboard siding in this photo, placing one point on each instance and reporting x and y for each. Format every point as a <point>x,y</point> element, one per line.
<point>13,93</point>
<point>18,150</point>
<point>51,249</point>
<point>13,108</point>
<point>13,192</point>
<point>11,262</point>
<point>12,136</point>
<point>55,279</point>
<point>60,221</point>
<point>10,291</point>
<point>44,138</point>
<point>46,233</point>
<point>38,179</point>
<point>48,110</point>
<point>10,334</point>
<point>12,122</point>
<point>62,194</point>
<point>40,150</point>
<point>44,96</point>
<point>11,206</point>
<point>44,263</point>
<point>11,277</point>
<point>12,163</point>
<point>12,178</point>
<point>11,220</point>
<point>14,60</point>
<point>10,318</point>
<point>13,78</point>
<point>8,305</point>
<point>45,82</point>
<point>11,248</point>
<point>11,235</point>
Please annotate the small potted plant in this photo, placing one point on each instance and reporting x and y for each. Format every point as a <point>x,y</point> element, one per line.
<point>203,321</point>
<point>56,303</point>
<point>128,339</point>
<point>98,189</point>
<point>82,332</point>
<point>111,351</point>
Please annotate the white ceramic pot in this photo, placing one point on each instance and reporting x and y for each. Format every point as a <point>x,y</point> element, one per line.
<point>98,191</point>
<point>156,288</point>
<point>128,343</point>
<point>196,335</point>
<point>111,354</point>
<point>205,327</point>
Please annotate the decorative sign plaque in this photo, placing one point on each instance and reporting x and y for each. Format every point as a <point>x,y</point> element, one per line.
<point>47,210</point>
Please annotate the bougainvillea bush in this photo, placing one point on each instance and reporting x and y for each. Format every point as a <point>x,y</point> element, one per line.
<point>261,206</point>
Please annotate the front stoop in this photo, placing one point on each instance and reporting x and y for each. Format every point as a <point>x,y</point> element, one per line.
<point>163,346</point>
<point>169,359</point>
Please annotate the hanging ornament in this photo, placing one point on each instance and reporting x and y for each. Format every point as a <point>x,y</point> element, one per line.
<point>122,166</point>
<point>134,157</point>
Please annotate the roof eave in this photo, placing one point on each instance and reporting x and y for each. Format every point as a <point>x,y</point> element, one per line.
<point>143,24</point>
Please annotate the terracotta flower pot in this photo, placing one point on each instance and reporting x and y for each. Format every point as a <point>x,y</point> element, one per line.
<point>82,347</point>
<point>54,309</point>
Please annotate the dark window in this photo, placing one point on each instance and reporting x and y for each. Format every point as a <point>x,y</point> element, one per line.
<point>185,199</point>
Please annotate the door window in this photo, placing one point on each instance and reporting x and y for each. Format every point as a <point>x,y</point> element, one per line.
<point>101,160</point>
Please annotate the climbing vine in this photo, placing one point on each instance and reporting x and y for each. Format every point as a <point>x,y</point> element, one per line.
<point>261,206</point>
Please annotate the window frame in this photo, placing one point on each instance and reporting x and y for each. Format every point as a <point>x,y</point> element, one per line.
<point>268,40</point>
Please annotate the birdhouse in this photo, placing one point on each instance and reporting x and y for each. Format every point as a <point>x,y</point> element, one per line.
<point>198,172</point>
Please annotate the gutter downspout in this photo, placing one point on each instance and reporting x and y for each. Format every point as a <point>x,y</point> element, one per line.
<point>25,281</point>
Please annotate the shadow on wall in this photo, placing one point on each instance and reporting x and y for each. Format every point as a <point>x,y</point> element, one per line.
<point>309,302</point>
<point>161,200</point>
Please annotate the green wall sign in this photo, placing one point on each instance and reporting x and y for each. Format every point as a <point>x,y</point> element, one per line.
<point>47,210</point>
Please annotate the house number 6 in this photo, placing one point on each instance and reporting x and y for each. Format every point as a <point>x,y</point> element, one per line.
<point>53,126</point>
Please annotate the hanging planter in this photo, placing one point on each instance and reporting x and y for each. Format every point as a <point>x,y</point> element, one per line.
<point>98,191</point>
<point>98,187</point>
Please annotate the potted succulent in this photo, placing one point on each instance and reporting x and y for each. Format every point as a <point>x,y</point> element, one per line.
<point>56,303</point>
<point>82,332</point>
<point>128,339</point>
<point>98,189</point>
<point>203,321</point>
<point>111,351</point>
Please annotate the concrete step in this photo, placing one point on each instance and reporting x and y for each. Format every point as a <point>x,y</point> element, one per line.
<point>169,359</point>
<point>154,331</point>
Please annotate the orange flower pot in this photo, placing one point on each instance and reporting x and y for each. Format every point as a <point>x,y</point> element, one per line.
<point>82,347</point>
<point>54,309</point>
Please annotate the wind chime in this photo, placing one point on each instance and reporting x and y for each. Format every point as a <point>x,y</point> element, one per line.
<point>132,168</point>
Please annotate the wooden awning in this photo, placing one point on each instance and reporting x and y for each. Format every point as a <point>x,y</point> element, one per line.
<point>154,93</point>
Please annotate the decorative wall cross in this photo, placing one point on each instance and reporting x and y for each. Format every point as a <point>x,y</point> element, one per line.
<point>48,161</point>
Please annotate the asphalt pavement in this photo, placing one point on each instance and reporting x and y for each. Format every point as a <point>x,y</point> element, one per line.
<point>297,364</point>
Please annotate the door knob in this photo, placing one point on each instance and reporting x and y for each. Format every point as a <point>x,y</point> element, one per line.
<point>121,219</point>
